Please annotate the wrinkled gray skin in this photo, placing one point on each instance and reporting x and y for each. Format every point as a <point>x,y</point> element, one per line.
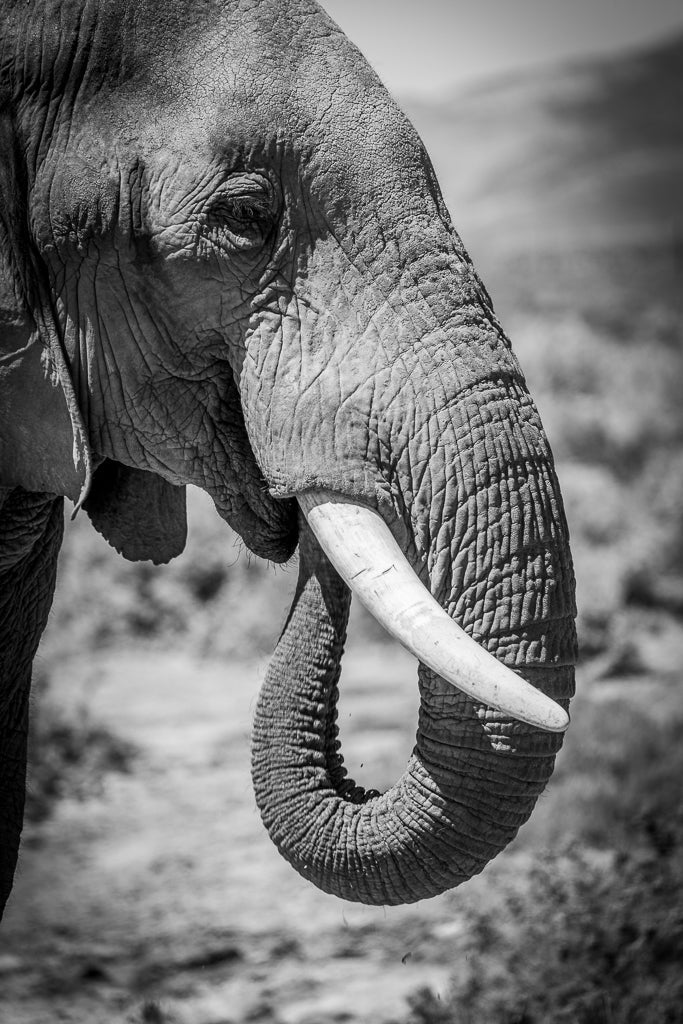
<point>225,261</point>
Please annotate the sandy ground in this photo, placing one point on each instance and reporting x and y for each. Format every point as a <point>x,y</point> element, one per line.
<point>164,886</point>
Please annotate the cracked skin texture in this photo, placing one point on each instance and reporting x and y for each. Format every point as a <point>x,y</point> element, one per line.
<point>239,272</point>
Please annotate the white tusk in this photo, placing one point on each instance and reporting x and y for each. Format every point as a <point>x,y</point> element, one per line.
<point>367,557</point>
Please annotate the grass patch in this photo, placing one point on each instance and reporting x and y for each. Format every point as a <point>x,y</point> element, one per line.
<point>581,922</point>
<point>573,940</point>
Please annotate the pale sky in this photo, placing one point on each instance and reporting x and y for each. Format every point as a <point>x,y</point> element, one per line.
<point>420,47</point>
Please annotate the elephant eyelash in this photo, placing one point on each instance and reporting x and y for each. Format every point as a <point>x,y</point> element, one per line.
<point>247,210</point>
<point>242,211</point>
<point>237,222</point>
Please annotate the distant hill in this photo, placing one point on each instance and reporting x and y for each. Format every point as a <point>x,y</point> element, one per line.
<point>581,158</point>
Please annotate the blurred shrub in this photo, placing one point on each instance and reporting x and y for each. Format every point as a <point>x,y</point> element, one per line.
<point>214,599</point>
<point>582,936</point>
<point>618,776</point>
<point>209,599</point>
<point>69,753</point>
<point>574,940</point>
<point>609,395</point>
<point>591,933</point>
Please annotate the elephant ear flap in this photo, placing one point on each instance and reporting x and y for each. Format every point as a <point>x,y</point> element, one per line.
<point>42,444</point>
<point>139,513</point>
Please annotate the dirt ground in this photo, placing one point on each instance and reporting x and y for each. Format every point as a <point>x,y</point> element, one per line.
<point>152,894</point>
<point>163,886</point>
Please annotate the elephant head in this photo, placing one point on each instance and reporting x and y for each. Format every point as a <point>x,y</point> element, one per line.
<point>226,261</point>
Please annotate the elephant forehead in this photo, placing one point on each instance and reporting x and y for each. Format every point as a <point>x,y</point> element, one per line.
<point>263,76</point>
<point>277,75</point>
<point>94,46</point>
<point>305,86</point>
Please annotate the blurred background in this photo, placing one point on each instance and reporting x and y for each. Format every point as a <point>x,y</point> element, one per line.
<point>148,889</point>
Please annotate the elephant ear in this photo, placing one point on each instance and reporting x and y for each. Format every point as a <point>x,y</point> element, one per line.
<point>141,515</point>
<point>39,448</point>
<point>43,444</point>
<point>42,448</point>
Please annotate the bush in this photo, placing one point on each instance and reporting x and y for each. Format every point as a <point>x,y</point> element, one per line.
<point>593,933</point>
<point>619,772</point>
<point>69,753</point>
<point>578,939</point>
<point>209,600</point>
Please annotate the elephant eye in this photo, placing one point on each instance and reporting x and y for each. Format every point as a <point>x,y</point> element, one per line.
<point>239,219</point>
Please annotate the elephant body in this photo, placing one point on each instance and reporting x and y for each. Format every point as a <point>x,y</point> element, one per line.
<point>225,261</point>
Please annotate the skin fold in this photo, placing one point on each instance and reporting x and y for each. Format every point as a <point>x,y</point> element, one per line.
<point>225,261</point>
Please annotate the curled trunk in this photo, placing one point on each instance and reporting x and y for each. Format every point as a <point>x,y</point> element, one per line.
<point>472,780</point>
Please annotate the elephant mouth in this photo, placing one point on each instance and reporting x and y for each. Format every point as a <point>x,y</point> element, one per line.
<point>267,526</point>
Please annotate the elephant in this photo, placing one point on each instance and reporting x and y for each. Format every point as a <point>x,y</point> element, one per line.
<point>225,261</point>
